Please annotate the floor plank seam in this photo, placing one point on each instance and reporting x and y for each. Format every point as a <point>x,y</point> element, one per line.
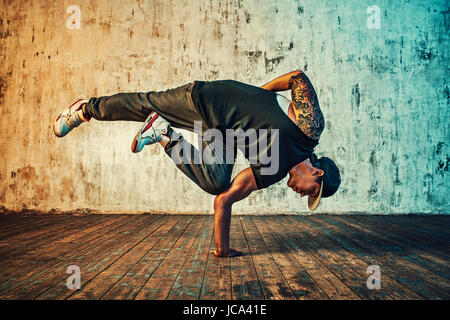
<point>145,282</point>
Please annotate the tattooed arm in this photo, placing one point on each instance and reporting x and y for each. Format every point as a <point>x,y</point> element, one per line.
<point>306,108</point>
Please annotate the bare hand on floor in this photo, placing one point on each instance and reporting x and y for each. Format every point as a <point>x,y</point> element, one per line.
<point>230,253</point>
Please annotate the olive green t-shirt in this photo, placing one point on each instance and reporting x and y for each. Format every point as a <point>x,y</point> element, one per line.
<point>229,104</point>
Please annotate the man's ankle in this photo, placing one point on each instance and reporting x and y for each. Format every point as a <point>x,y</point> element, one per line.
<point>165,140</point>
<point>83,115</point>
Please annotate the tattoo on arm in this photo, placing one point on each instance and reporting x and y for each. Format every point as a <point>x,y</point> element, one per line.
<point>306,106</point>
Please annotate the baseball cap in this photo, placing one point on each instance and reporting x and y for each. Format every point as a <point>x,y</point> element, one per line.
<point>330,183</point>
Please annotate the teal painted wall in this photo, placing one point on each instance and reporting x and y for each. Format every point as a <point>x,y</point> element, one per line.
<point>384,93</point>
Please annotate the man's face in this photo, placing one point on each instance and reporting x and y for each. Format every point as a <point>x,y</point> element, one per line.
<point>303,184</point>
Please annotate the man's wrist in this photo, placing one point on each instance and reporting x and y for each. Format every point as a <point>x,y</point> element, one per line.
<point>221,252</point>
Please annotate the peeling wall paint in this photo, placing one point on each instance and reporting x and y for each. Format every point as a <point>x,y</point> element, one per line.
<point>384,93</point>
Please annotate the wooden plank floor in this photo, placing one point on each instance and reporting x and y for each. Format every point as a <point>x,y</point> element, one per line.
<point>168,257</point>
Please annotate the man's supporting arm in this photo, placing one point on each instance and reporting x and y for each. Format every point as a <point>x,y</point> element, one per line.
<point>240,188</point>
<point>281,83</point>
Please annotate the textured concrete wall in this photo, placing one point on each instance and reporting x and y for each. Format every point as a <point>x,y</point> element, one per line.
<point>384,93</point>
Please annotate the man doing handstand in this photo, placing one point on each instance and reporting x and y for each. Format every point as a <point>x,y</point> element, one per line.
<point>271,124</point>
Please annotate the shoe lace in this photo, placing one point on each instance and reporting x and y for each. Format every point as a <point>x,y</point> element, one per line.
<point>73,120</point>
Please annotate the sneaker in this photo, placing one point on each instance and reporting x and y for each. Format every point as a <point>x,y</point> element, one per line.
<point>151,132</point>
<point>69,119</point>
